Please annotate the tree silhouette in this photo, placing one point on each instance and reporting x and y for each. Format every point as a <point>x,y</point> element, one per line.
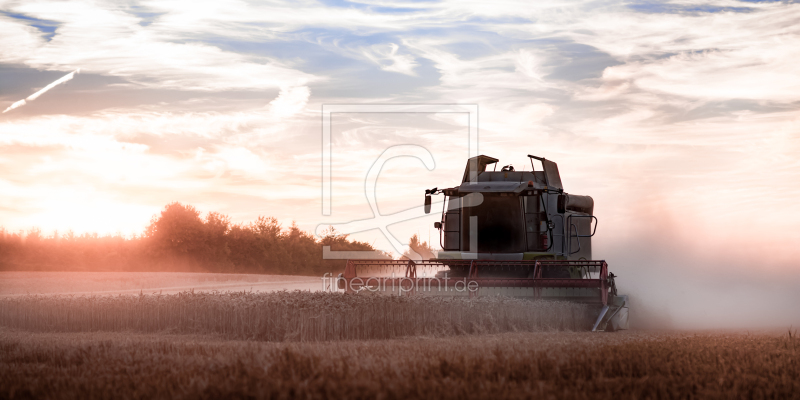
<point>177,231</point>
<point>180,239</point>
<point>423,249</point>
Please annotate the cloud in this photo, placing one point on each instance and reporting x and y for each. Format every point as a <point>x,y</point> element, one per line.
<point>104,39</point>
<point>17,38</point>
<point>387,58</point>
<point>707,56</point>
<point>767,72</point>
<point>107,163</point>
<point>41,92</point>
<point>527,65</point>
<point>232,159</point>
<point>290,101</point>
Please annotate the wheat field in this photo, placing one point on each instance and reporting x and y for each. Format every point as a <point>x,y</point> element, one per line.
<point>320,345</point>
<point>290,316</point>
<point>546,365</point>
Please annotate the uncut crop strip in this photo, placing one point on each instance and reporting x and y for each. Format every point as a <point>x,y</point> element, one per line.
<point>290,316</point>
<point>556,365</point>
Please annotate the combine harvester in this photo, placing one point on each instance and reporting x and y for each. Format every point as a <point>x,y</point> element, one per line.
<point>507,232</point>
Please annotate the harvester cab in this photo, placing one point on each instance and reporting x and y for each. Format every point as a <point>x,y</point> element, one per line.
<point>507,232</point>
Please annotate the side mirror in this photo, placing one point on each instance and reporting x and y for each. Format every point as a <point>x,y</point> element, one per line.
<point>562,203</point>
<point>437,225</point>
<point>427,204</point>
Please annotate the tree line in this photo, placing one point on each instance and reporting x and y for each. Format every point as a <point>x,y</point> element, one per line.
<point>180,239</point>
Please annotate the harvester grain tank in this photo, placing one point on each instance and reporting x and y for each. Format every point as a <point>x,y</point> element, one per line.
<point>507,232</point>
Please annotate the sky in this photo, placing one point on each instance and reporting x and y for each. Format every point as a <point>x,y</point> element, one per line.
<point>680,118</point>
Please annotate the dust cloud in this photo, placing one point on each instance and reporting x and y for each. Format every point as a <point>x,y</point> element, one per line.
<point>680,277</point>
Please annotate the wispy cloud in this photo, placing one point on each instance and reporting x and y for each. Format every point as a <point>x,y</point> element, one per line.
<point>105,39</point>
<point>34,96</point>
<point>389,60</point>
<point>290,101</point>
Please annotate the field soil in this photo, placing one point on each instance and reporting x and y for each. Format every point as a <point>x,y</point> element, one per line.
<point>14,283</point>
<point>570,365</point>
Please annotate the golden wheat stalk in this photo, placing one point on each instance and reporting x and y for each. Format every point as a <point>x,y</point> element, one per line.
<point>290,316</point>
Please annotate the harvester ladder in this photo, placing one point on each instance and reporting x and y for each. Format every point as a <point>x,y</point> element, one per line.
<point>578,235</point>
<point>554,235</point>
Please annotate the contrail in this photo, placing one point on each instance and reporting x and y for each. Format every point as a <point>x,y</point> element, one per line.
<point>34,96</point>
